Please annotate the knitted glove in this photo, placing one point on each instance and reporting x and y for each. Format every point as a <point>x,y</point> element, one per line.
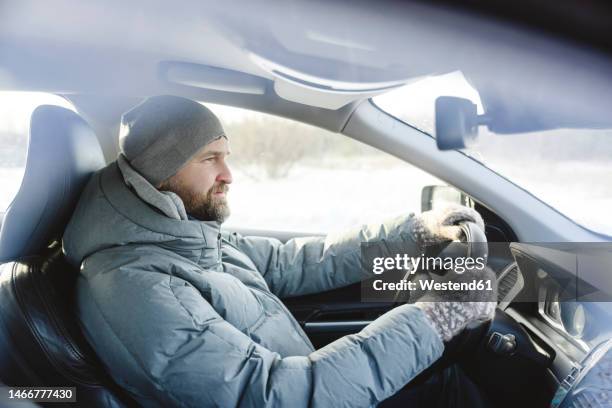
<point>450,312</point>
<point>450,318</point>
<point>439,225</point>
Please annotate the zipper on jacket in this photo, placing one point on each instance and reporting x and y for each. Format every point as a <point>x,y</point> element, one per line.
<point>219,264</point>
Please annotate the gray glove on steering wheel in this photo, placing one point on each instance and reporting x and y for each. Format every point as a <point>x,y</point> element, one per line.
<point>450,318</point>
<point>450,312</point>
<point>440,224</point>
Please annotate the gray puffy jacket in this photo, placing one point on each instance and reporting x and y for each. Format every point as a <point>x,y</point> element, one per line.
<point>182,313</point>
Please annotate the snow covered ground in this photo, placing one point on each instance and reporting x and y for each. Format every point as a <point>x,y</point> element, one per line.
<point>324,199</point>
<point>314,199</point>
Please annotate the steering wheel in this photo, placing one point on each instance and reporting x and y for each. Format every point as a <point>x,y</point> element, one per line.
<point>589,381</point>
<point>472,244</point>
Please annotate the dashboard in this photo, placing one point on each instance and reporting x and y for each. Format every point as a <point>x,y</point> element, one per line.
<point>570,283</point>
<point>551,336</point>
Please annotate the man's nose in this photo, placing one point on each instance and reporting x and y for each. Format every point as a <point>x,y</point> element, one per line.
<point>225,175</point>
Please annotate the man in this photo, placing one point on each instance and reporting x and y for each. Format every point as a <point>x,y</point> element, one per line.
<point>183,313</point>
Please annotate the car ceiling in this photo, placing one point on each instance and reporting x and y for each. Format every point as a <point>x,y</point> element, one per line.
<point>312,61</point>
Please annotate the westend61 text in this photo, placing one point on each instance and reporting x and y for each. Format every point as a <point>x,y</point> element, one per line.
<point>429,285</point>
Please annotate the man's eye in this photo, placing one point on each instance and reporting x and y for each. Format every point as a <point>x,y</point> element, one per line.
<point>210,159</point>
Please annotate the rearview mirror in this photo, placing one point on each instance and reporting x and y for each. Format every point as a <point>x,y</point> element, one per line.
<point>440,196</point>
<point>457,122</point>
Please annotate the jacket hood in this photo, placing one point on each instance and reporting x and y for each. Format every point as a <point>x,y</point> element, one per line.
<point>110,214</point>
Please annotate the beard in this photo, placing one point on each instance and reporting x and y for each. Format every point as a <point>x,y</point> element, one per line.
<point>204,207</point>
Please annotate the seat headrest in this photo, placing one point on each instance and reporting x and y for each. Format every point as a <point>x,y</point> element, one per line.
<point>63,152</point>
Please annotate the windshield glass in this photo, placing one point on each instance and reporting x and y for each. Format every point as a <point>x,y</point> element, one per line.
<point>569,169</point>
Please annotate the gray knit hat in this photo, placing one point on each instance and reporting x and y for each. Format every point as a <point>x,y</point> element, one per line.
<point>161,134</point>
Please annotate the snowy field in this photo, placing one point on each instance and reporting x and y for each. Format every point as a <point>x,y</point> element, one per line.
<point>320,200</point>
<point>315,199</point>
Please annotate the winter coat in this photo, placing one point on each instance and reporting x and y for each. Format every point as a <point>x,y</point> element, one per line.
<point>184,313</point>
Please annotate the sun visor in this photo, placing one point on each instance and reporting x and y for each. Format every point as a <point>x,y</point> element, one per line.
<point>212,78</point>
<point>320,91</point>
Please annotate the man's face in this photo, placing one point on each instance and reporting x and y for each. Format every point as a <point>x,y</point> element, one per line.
<point>203,182</point>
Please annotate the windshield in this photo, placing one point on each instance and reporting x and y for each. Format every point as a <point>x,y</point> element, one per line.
<point>569,169</point>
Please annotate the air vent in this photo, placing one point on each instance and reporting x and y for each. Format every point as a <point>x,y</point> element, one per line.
<point>509,284</point>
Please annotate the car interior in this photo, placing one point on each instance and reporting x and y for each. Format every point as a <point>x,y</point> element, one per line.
<point>523,358</point>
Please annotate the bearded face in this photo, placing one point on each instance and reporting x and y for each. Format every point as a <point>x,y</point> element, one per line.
<point>203,182</point>
<point>205,206</point>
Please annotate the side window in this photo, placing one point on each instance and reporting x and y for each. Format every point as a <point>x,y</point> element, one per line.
<point>289,176</point>
<point>15,111</point>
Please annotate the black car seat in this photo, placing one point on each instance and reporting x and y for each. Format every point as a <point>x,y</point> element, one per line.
<point>40,340</point>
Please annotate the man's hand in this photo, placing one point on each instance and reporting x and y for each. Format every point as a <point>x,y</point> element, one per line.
<point>439,225</point>
<point>451,311</point>
<point>450,318</point>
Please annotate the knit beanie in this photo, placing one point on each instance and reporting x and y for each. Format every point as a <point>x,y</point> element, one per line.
<point>161,134</point>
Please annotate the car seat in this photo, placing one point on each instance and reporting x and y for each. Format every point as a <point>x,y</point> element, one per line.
<point>41,343</point>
